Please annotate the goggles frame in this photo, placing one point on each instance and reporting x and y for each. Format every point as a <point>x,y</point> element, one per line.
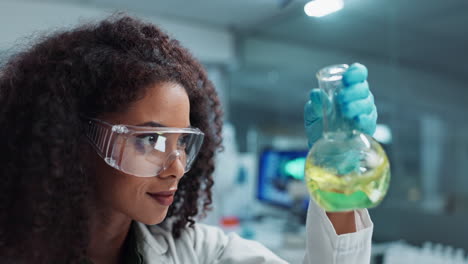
<point>102,137</point>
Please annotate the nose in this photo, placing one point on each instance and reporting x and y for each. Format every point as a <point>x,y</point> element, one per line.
<point>173,166</point>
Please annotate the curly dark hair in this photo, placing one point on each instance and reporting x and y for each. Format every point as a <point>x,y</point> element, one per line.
<point>93,69</point>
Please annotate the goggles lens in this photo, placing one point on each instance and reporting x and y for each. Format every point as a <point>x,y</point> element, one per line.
<point>144,151</point>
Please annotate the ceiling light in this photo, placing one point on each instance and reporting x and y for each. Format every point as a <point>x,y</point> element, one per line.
<point>319,8</point>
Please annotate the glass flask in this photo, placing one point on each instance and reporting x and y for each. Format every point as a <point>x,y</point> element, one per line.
<point>345,169</point>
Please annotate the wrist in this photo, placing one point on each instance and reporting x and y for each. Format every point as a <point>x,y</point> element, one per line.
<point>343,222</point>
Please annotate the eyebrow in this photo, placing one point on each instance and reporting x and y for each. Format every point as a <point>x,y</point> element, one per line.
<point>151,124</point>
<point>155,124</point>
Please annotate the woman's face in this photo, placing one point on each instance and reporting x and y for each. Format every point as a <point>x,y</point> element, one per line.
<point>140,198</point>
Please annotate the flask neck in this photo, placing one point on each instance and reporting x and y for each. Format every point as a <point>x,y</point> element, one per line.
<point>334,123</point>
<point>330,82</point>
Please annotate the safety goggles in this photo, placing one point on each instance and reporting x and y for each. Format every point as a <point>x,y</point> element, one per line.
<point>143,151</point>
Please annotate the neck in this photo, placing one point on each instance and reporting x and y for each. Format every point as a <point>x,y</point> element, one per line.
<point>108,231</point>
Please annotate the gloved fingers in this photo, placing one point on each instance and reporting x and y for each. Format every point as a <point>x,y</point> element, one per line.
<point>367,122</point>
<point>312,114</point>
<point>354,92</point>
<point>315,96</point>
<point>314,132</point>
<point>313,108</point>
<point>358,107</point>
<point>356,73</point>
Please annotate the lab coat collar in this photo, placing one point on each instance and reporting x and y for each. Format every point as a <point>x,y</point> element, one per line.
<point>150,241</point>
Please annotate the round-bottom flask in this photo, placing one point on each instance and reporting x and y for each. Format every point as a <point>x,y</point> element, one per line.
<point>345,169</point>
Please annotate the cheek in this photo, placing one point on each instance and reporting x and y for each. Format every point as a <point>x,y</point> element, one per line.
<point>126,194</point>
<point>114,187</point>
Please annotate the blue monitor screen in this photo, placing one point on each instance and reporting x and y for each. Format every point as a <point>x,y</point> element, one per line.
<point>276,170</point>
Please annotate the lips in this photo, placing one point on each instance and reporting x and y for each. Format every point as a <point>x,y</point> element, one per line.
<point>163,198</point>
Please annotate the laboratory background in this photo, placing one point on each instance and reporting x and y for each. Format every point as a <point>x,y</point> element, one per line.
<point>263,55</point>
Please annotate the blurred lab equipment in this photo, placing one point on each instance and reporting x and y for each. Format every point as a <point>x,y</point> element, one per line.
<point>400,252</point>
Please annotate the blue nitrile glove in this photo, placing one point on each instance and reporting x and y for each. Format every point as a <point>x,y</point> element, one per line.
<point>355,101</point>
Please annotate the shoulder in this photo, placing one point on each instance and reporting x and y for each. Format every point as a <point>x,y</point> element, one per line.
<point>197,244</point>
<point>196,234</point>
<point>202,243</point>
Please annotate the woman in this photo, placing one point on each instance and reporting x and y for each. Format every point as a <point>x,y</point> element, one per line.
<point>109,132</point>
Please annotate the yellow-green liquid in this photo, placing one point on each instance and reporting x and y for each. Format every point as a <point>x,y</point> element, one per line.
<point>336,193</point>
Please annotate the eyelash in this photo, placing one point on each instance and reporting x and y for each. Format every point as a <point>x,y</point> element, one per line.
<point>154,136</point>
<point>180,142</point>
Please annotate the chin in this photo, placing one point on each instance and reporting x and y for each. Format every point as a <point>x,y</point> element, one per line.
<point>155,222</point>
<point>155,219</point>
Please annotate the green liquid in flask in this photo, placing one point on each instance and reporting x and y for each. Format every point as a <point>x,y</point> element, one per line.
<point>363,187</point>
<point>345,169</point>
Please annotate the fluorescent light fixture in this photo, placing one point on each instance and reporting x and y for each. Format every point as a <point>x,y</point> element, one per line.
<point>320,8</point>
<point>383,134</point>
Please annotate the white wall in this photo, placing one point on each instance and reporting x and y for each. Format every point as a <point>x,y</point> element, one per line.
<point>22,19</point>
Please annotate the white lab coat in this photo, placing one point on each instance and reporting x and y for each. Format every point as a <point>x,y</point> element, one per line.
<point>205,244</point>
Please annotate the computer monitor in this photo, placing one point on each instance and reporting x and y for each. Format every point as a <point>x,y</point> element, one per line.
<point>276,170</point>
